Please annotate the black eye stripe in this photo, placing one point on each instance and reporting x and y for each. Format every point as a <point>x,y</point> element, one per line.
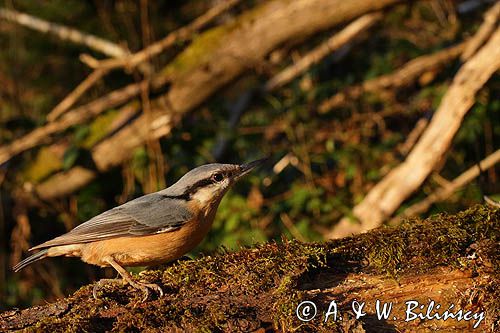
<point>207,181</point>
<point>200,184</point>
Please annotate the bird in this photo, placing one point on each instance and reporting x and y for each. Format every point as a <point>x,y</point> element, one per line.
<point>150,230</point>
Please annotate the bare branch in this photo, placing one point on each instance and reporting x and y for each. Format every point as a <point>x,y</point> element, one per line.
<point>446,191</point>
<point>156,48</point>
<point>335,42</point>
<point>491,202</point>
<point>395,187</point>
<point>412,138</point>
<point>403,76</point>
<point>77,116</point>
<point>73,97</point>
<point>484,32</point>
<point>63,182</point>
<point>65,33</point>
<point>86,112</point>
<point>102,69</point>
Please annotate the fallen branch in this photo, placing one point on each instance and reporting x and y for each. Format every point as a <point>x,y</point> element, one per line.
<point>64,33</point>
<point>65,182</point>
<point>335,42</point>
<point>77,116</point>
<point>484,32</point>
<point>383,199</point>
<point>77,176</point>
<point>403,76</point>
<point>113,99</point>
<point>446,191</point>
<point>228,51</point>
<point>156,48</point>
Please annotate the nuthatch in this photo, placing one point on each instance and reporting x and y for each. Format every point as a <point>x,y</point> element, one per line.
<point>152,229</point>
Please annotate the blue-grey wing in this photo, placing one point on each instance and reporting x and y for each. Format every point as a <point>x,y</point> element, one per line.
<point>154,213</point>
<point>147,215</point>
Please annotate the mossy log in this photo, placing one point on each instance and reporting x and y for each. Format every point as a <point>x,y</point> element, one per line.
<point>448,259</point>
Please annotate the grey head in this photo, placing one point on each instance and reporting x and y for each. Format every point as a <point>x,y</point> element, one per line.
<point>209,182</point>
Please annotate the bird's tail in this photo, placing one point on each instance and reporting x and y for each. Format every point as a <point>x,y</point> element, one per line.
<point>31,259</point>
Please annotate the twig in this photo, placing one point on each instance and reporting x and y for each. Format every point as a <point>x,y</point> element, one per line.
<point>403,76</point>
<point>65,33</point>
<point>316,55</point>
<point>484,31</point>
<point>412,138</point>
<point>288,159</point>
<point>446,191</point>
<point>287,221</point>
<point>156,48</point>
<point>395,187</point>
<point>76,116</point>
<point>491,202</point>
<point>101,68</point>
<point>73,97</point>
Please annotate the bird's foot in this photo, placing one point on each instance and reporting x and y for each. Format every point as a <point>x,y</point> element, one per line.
<point>141,285</point>
<point>99,284</point>
<point>145,287</point>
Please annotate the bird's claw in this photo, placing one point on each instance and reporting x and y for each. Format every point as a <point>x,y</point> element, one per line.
<point>143,286</point>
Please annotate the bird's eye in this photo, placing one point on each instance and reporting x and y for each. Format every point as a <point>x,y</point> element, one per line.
<point>218,177</point>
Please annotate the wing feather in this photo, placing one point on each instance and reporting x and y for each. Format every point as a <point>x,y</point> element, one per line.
<point>146,215</point>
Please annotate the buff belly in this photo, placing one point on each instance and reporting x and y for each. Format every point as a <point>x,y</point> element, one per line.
<point>140,250</point>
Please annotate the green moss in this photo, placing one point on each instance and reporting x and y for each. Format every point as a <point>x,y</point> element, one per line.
<point>261,286</point>
<point>418,245</point>
<point>203,45</point>
<point>386,255</point>
<point>196,53</point>
<point>99,128</point>
<point>46,162</point>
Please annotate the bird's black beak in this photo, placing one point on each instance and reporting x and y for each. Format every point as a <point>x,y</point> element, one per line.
<point>247,167</point>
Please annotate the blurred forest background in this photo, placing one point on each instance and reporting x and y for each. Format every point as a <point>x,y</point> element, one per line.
<point>104,101</point>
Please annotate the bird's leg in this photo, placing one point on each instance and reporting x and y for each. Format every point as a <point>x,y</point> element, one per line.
<point>136,284</point>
